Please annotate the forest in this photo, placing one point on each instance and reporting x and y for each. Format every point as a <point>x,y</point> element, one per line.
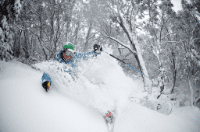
<point>146,34</point>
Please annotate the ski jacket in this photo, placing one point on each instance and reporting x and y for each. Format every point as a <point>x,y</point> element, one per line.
<point>77,57</point>
<point>73,62</point>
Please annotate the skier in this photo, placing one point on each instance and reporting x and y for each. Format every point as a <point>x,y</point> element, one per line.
<point>68,55</point>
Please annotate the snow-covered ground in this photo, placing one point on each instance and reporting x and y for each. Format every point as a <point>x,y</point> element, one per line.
<point>26,107</point>
<point>77,106</point>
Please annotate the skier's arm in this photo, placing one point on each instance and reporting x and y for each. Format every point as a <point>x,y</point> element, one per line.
<point>97,50</point>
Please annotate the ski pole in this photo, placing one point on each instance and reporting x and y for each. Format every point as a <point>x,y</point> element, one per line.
<point>125,63</point>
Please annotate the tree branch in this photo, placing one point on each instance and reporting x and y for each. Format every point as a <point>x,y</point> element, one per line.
<point>29,31</point>
<point>122,44</point>
<point>168,35</point>
<point>197,99</point>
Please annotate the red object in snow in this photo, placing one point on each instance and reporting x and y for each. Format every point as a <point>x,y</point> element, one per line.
<point>108,114</point>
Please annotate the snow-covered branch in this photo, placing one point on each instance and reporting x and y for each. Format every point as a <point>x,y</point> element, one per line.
<point>123,24</point>
<point>197,99</point>
<point>171,41</point>
<point>121,43</point>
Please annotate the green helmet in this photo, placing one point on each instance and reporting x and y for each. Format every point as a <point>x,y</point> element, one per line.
<point>69,46</point>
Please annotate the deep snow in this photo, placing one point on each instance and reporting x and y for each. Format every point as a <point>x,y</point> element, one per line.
<point>78,106</point>
<point>26,107</point>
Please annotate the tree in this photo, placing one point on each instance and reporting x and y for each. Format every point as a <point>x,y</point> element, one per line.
<point>196,5</point>
<point>9,11</point>
<point>44,22</point>
<point>160,28</point>
<point>188,37</point>
<point>124,14</point>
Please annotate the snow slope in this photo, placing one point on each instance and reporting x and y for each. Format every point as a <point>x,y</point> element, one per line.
<point>77,106</point>
<point>140,119</point>
<point>26,107</point>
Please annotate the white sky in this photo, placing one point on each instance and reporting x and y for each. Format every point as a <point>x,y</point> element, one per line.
<point>177,4</point>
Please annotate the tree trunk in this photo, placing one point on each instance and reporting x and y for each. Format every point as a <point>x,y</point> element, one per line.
<point>138,55</point>
<point>87,37</point>
<point>141,63</point>
<point>17,44</point>
<point>174,71</point>
<point>76,33</point>
<point>41,35</point>
<point>196,100</point>
<point>26,46</point>
<point>191,92</point>
<point>174,81</point>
